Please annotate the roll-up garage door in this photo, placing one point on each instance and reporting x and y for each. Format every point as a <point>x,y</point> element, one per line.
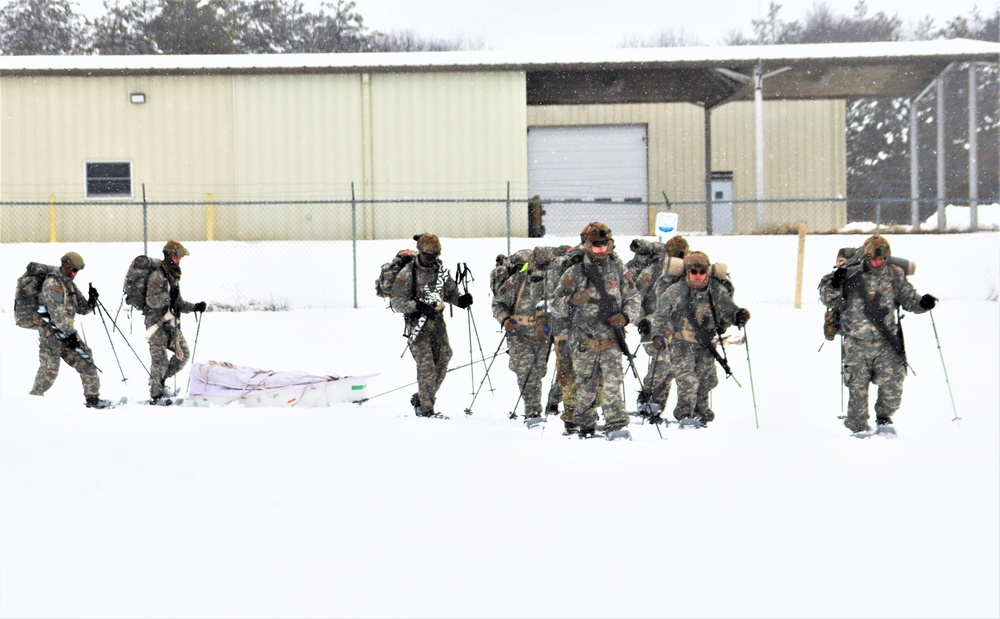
<point>605,163</point>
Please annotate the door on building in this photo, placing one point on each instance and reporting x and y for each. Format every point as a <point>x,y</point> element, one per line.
<point>722,203</point>
<point>607,163</point>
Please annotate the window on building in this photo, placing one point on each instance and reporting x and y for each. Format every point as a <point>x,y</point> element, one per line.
<point>109,179</point>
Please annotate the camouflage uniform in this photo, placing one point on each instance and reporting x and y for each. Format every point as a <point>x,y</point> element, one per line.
<point>514,307</point>
<point>63,300</point>
<point>162,317</point>
<point>650,283</point>
<point>692,362</point>
<point>872,355</point>
<point>419,281</point>
<point>593,344</point>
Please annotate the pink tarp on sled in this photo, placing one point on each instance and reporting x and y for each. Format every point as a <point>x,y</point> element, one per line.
<point>221,383</point>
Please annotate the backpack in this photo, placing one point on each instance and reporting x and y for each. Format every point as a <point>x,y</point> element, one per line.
<point>506,268</point>
<point>26,294</point>
<point>387,276</point>
<point>136,278</point>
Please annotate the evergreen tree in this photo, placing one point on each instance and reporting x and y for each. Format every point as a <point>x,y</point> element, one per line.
<point>40,27</point>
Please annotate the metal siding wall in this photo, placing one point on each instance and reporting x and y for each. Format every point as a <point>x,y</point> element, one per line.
<point>295,137</point>
<point>456,135</point>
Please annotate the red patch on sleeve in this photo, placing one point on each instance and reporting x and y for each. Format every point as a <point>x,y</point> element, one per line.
<point>56,288</point>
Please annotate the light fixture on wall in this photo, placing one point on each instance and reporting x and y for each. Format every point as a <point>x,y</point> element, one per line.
<point>137,97</point>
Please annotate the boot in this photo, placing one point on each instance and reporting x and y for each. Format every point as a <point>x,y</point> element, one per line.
<point>94,401</point>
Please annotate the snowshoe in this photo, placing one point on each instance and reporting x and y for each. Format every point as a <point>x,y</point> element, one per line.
<point>693,423</point>
<point>533,420</point>
<point>96,402</point>
<point>621,434</point>
<point>164,401</point>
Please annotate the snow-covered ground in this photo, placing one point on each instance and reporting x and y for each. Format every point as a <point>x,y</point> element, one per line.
<point>369,511</point>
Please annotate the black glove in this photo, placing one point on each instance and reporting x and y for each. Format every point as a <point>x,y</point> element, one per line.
<point>463,301</point>
<point>838,277</point>
<point>200,306</point>
<point>92,297</point>
<point>72,340</point>
<point>928,302</point>
<point>644,327</point>
<point>741,317</point>
<point>426,309</point>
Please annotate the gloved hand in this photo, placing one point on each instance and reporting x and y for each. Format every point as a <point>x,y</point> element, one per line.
<point>72,340</point>
<point>463,301</point>
<point>92,297</point>
<point>200,306</point>
<point>741,317</point>
<point>509,324</point>
<point>839,276</point>
<point>644,327</point>
<point>658,342</point>
<point>426,309</point>
<point>542,333</point>
<point>928,302</point>
<point>579,298</point>
<point>618,321</point>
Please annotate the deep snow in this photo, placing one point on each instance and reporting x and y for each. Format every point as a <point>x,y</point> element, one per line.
<point>368,511</point>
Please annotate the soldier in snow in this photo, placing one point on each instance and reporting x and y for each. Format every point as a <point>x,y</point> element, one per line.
<point>866,291</point>
<point>162,317</point>
<point>659,275</point>
<point>59,301</point>
<point>421,289</point>
<point>599,301</point>
<point>515,308</point>
<point>689,314</point>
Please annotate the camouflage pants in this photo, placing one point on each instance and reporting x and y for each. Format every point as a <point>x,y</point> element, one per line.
<point>694,371</point>
<point>527,361</point>
<point>598,373</point>
<point>871,362</point>
<point>50,351</point>
<point>432,352</point>
<point>162,366</point>
<point>658,377</point>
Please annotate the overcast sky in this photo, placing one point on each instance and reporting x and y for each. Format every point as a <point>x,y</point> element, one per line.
<point>545,24</point>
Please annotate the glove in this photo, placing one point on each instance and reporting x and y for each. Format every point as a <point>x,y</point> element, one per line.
<point>463,301</point>
<point>426,309</point>
<point>72,340</point>
<point>659,343</point>
<point>92,297</point>
<point>618,321</point>
<point>579,298</point>
<point>542,333</point>
<point>644,327</point>
<point>509,324</point>
<point>200,306</point>
<point>838,277</point>
<point>928,302</point>
<point>741,317</point>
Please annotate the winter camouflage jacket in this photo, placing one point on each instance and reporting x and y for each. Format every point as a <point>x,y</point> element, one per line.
<point>677,304</point>
<point>434,283</point>
<point>587,318</point>
<point>885,290</point>
<point>63,300</point>
<point>163,299</point>
<point>518,298</point>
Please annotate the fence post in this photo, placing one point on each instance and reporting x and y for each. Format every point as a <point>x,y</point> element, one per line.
<point>508,218</point>
<point>145,222</point>
<point>52,218</point>
<point>354,242</point>
<point>210,218</point>
<point>801,266</point>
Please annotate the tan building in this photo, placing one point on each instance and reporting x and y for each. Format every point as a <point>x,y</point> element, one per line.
<point>275,147</point>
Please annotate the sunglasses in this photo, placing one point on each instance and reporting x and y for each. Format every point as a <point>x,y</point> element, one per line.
<point>599,243</point>
<point>698,271</point>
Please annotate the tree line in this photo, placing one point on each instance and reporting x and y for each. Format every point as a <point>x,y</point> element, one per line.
<point>878,152</point>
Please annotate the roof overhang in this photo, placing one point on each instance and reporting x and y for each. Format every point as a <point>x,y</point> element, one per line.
<point>703,75</point>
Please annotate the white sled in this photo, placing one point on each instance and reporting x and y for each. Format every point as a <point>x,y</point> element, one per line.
<point>221,383</point>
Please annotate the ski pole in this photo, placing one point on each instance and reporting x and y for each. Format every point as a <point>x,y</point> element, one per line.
<point>110,341</point>
<point>944,368</point>
<point>746,342</point>
<point>467,278</point>
<point>468,411</point>
<point>194,349</point>
<point>122,333</point>
<point>449,370</point>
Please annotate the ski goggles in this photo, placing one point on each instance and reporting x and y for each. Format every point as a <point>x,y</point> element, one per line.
<point>698,271</point>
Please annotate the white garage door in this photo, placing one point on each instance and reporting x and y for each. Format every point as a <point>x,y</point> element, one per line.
<point>606,163</point>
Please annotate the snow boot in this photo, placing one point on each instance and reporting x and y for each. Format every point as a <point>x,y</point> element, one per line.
<point>884,427</point>
<point>415,403</point>
<point>94,401</point>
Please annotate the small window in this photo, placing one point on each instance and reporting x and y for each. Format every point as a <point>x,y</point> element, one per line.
<point>112,179</point>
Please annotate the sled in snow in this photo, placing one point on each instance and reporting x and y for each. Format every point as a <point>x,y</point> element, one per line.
<point>221,383</point>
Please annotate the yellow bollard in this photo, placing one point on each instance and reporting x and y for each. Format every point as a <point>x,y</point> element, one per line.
<point>210,218</point>
<point>52,218</point>
<point>801,266</point>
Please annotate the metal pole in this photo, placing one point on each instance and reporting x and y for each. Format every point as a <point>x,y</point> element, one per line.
<point>354,242</point>
<point>914,167</point>
<point>145,223</point>
<point>708,172</point>
<point>973,151</point>
<point>758,98</point>
<point>508,218</point>
<point>941,217</point>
